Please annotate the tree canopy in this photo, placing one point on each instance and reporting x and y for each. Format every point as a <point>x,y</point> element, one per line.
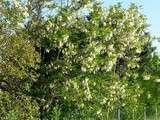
<point>74,59</point>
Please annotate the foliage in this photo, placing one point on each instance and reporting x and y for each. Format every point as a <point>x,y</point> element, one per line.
<point>19,107</point>
<point>80,60</point>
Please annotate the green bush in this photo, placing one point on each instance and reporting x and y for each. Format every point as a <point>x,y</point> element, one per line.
<point>13,107</point>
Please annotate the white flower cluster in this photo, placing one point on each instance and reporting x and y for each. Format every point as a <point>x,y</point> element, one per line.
<point>111,48</point>
<point>110,65</point>
<point>64,40</point>
<point>16,3</point>
<point>48,3</point>
<point>117,91</point>
<point>157,80</point>
<point>104,101</point>
<point>99,112</point>
<point>83,69</point>
<point>108,36</point>
<point>88,6</point>
<point>23,9</point>
<point>146,77</point>
<point>50,25</point>
<point>86,89</point>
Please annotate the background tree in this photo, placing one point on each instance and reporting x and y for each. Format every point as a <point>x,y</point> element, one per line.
<point>79,61</point>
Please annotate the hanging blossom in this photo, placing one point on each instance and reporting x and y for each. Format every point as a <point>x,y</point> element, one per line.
<point>23,9</point>
<point>16,3</point>
<point>146,77</point>
<point>86,89</point>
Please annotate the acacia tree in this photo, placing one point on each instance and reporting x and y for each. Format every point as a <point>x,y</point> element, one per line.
<point>77,59</point>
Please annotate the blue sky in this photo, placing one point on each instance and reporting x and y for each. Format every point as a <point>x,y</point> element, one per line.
<point>150,8</point>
